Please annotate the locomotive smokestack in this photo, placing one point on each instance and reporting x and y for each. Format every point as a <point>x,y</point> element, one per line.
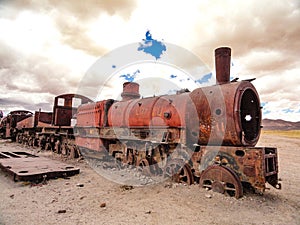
<point>130,91</point>
<point>222,61</point>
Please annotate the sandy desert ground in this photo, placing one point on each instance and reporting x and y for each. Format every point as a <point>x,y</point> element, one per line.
<point>63,201</point>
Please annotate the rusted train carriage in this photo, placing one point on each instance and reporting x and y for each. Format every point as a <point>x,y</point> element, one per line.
<point>13,122</point>
<point>47,130</point>
<point>207,135</point>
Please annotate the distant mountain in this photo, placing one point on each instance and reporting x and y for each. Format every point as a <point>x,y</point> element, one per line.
<point>269,124</point>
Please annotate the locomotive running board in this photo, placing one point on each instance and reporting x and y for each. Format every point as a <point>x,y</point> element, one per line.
<point>23,166</point>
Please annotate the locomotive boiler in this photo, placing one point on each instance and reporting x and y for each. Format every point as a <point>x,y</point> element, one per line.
<point>207,135</point>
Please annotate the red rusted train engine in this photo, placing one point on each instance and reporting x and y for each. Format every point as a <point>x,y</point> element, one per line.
<point>10,124</point>
<point>47,130</point>
<point>207,135</point>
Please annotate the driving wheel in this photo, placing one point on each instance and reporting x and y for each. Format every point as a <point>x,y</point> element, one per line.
<point>180,172</point>
<point>221,179</point>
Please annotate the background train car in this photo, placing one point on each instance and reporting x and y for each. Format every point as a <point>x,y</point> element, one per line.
<point>47,130</point>
<point>14,122</point>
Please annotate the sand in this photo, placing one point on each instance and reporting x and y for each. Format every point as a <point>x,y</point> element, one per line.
<point>88,198</point>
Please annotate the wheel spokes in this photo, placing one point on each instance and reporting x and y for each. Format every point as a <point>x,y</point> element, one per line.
<point>179,172</point>
<point>223,180</point>
<point>143,166</point>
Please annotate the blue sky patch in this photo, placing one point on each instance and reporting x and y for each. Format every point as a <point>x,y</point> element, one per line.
<point>263,104</point>
<point>204,79</point>
<point>287,110</point>
<point>130,77</point>
<point>152,46</point>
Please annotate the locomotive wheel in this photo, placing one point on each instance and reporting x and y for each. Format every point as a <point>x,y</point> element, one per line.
<point>179,173</point>
<point>186,175</point>
<point>42,142</point>
<point>57,147</point>
<point>154,169</point>
<point>47,146</point>
<point>143,166</point>
<point>72,152</point>
<point>30,142</point>
<point>64,150</point>
<point>19,138</point>
<point>221,179</point>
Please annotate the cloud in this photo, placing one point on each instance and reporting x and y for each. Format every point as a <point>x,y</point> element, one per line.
<point>71,17</point>
<point>84,10</point>
<point>30,74</point>
<point>248,27</point>
<point>26,103</point>
<point>90,9</point>
<point>47,46</point>
<point>282,109</point>
<point>74,34</point>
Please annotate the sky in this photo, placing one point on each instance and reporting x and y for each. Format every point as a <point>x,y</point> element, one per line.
<point>47,46</point>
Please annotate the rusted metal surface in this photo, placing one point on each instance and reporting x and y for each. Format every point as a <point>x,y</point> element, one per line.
<point>232,118</point>
<point>253,165</point>
<point>18,115</point>
<point>227,114</point>
<point>42,118</point>
<point>222,61</point>
<point>64,109</point>
<point>24,166</point>
<point>93,114</point>
<point>25,123</point>
<point>14,121</point>
<point>90,142</point>
<point>147,112</point>
<point>52,130</point>
<point>180,172</point>
<point>223,180</point>
<point>213,128</point>
<point>130,91</point>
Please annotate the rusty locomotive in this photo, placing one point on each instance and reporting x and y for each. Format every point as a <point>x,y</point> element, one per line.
<point>206,136</point>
